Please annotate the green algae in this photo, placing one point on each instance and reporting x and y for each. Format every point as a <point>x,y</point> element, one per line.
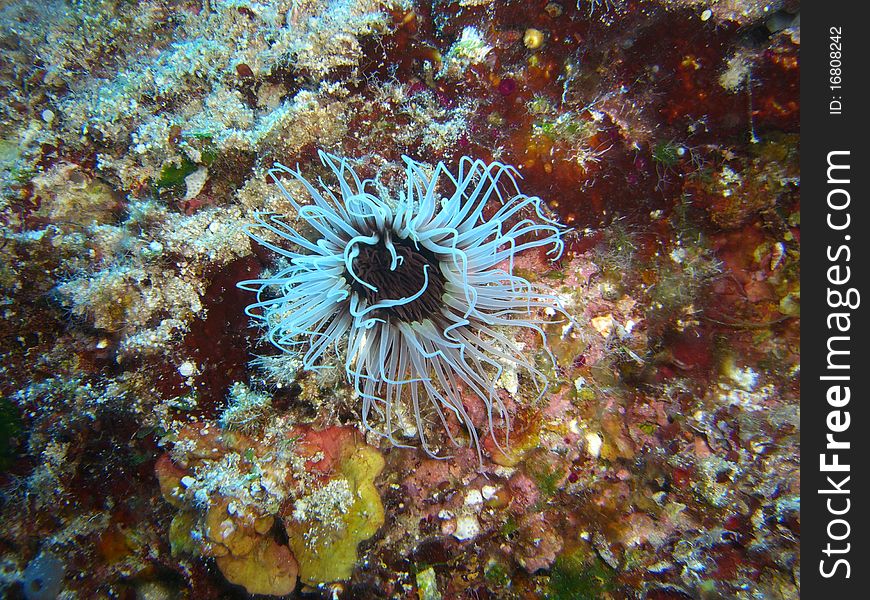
<point>10,429</point>
<point>578,577</point>
<point>173,175</point>
<point>497,574</point>
<point>547,476</point>
<point>667,153</point>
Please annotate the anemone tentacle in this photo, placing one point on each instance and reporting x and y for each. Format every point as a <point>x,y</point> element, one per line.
<point>414,293</point>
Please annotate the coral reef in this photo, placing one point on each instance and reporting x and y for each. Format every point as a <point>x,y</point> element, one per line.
<point>230,489</point>
<point>151,436</point>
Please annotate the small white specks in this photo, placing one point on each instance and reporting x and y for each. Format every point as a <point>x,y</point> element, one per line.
<point>705,16</point>
<point>745,379</point>
<point>187,481</point>
<point>509,380</point>
<point>678,255</point>
<point>488,492</point>
<point>593,444</point>
<point>473,498</point>
<point>467,527</point>
<point>186,369</point>
<point>227,528</point>
<point>195,182</point>
<point>777,253</point>
<point>660,567</point>
<point>603,325</point>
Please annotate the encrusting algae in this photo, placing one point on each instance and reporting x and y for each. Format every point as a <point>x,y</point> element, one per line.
<point>231,489</point>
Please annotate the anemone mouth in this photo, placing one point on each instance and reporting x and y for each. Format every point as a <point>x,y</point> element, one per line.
<point>402,273</point>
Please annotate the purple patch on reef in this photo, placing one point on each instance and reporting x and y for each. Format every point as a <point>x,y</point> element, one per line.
<point>507,86</point>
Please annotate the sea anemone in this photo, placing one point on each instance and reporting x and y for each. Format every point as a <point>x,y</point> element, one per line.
<point>412,293</point>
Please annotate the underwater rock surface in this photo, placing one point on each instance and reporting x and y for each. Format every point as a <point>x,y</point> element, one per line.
<point>153,443</point>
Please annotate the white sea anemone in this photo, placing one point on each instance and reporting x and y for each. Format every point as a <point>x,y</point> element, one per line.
<point>413,293</point>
